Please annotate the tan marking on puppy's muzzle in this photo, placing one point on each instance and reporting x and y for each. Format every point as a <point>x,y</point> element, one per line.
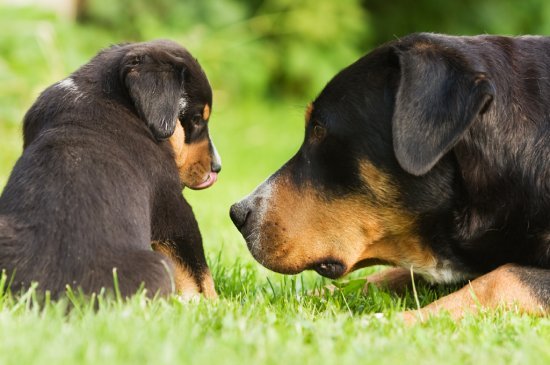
<point>193,160</point>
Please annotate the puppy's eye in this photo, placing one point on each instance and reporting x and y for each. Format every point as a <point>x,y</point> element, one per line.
<point>319,132</point>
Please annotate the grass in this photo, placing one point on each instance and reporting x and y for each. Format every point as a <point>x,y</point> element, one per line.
<point>261,317</point>
<point>259,323</point>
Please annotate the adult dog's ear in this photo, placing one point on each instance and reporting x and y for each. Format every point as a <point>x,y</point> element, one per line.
<point>156,90</point>
<point>438,98</point>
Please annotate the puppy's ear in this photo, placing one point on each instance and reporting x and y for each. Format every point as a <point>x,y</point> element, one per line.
<point>438,98</point>
<point>156,91</point>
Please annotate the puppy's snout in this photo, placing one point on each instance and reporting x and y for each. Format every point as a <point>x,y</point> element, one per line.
<point>216,167</point>
<point>239,213</point>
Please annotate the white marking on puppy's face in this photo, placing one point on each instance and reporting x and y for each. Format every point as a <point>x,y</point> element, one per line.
<point>183,105</point>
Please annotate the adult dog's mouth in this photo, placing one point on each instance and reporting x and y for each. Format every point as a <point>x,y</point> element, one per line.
<point>332,269</point>
<point>208,182</point>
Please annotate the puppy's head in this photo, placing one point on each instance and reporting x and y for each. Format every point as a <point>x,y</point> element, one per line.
<point>170,92</point>
<point>372,164</point>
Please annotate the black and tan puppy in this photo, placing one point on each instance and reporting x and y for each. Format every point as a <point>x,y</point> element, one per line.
<point>432,153</point>
<point>107,152</point>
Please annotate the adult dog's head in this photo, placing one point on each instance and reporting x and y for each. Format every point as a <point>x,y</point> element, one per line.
<point>373,163</point>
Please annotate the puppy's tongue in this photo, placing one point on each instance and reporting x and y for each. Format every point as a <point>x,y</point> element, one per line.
<point>210,180</point>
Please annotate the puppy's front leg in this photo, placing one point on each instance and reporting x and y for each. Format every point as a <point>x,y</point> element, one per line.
<point>176,234</point>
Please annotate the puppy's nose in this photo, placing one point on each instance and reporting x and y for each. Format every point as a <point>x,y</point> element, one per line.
<point>239,212</point>
<point>215,167</point>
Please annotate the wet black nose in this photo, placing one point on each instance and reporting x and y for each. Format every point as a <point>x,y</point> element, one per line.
<point>239,213</point>
<point>216,167</point>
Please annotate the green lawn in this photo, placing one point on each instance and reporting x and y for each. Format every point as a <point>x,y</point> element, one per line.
<point>261,317</point>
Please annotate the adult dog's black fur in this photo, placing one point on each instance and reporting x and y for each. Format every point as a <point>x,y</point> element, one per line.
<point>431,152</point>
<point>98,183</point>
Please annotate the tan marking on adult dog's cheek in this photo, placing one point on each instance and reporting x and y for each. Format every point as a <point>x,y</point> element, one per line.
<point>302,227</point>
<point>399,244</point>
<point>185,283</point>
<point>379,183</point>
<point>405,250</point>
<point>206,112</point>
<point>309,110</point>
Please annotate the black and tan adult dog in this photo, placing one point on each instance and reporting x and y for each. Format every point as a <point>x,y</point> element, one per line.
<point>431,152</point>
<point>107,152</point>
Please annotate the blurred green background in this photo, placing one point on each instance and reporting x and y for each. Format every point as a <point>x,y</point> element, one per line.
<point>265,59</point>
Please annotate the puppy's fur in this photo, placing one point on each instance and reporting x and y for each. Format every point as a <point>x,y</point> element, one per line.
<point>431,153</point>
<point>98,182</point>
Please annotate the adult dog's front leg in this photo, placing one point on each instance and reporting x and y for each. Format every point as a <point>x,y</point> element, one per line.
<point>176,235</point>
<point>394,279</point>
<point>524,289</point>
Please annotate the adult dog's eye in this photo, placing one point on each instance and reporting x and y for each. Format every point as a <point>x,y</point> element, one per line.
<point>319,132</point>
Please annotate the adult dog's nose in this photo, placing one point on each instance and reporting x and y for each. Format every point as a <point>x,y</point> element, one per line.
<point>239,213</point>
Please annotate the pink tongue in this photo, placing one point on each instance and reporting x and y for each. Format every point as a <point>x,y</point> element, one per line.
<point>212,177</point>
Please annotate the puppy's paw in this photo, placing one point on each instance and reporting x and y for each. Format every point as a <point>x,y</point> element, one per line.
<point>207,287</point>
<point>189,297</point>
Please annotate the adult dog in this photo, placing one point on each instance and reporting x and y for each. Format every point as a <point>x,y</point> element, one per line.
<point>432,152</point>
<point>107,152</point>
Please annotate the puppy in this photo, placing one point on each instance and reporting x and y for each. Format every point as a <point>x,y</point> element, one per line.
<point>432,152</point>
<point>107,152</point>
